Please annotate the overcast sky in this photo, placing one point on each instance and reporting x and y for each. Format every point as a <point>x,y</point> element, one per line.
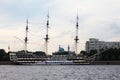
<point>97,19</point>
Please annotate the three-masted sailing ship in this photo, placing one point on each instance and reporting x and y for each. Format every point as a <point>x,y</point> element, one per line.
<point>26,57</point>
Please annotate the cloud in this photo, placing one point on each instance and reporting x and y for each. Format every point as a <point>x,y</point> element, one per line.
<point>97,19</point>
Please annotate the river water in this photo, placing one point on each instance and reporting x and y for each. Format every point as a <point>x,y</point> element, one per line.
<point>62,72</point>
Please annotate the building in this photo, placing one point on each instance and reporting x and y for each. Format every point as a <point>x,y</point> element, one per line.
<point>61,54</point>
<point>95,44</point>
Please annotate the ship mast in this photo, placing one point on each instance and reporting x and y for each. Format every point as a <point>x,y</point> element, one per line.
<point>76,38</point>
<point>47,37</point>
<point>68,49</point>
<point>26,36</point>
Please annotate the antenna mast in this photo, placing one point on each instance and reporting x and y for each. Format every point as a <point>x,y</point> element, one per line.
<point>76,38</point>
<point>26,37</point>
<point>47,38</point>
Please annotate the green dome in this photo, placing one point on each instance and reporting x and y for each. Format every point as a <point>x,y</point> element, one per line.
<point>61,49</point>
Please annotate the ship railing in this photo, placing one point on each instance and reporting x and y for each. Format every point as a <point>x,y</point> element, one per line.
<point>31,58</point>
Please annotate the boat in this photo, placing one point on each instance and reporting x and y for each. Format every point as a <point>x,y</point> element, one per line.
<point>25,57</point>
<point>31,59</point>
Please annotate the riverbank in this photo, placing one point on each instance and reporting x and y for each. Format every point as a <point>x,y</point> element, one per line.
<point>105,63</point>
<point>93,63</point>
<point>6,63</point>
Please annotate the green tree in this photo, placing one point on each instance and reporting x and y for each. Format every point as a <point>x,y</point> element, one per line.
<point>110,54</point>
<point>92,52</point>
<point>40,53</point>
<point>83,53</point>
<point>3,55</point>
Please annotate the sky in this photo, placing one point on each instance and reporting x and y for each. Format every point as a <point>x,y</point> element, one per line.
<point>97,19</point>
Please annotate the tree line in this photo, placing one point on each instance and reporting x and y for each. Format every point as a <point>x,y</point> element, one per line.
<point>112,54</point>
<point>3,55</point>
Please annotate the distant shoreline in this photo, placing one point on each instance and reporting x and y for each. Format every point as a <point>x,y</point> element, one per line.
<point>93,63</point>
<point>105,63</point>
<point>6,63</point>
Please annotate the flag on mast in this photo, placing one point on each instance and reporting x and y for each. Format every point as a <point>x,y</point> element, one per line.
<point>9,48</point>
